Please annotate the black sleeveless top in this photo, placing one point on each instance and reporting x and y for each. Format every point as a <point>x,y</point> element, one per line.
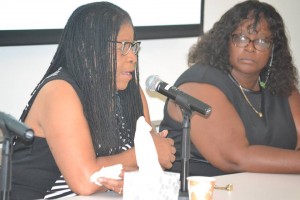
<point>276,128</point>
<point>35,174</point>
<point>34,170</point>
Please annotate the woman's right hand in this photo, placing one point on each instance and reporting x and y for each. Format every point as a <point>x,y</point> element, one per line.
<point>165,149</point>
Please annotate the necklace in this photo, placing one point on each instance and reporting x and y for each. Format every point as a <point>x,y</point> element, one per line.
<point>260,114</point>
<point>250,104</point>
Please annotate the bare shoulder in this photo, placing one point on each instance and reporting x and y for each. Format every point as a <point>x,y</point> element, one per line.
<point>202,90</point>
<point>294,99</point>
<point>56,101</point>
<point>58,94</point>
<point>206,93</point>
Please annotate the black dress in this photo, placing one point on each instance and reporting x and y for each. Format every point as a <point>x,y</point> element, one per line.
<point>276,128</point>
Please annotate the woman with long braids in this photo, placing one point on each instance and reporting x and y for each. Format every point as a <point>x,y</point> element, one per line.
<point>243,69</point>
<point>84,110</point>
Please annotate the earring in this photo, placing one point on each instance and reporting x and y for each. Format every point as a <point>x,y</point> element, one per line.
<point>261,83</point>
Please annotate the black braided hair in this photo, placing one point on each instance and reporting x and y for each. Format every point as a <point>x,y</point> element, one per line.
<point>86,53</point>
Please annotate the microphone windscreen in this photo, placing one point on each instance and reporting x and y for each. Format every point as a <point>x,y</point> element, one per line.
<point>152,82</point>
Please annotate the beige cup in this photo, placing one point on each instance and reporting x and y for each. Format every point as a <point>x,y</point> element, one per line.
<point>201,187</point>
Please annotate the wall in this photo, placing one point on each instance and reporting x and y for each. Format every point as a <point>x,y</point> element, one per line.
<point>23,66</point>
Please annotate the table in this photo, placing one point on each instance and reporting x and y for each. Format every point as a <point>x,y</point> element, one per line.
<point>257,186</point>
<point>246,186</point>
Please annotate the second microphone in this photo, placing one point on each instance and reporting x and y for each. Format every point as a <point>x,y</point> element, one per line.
<point>154,83</point>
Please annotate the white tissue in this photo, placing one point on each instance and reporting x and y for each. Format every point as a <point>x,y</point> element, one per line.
<point>145,150</point>
<point>112,172</point>
<point>150,181</point>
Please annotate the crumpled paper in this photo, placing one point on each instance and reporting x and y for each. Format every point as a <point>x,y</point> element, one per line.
<point>108,172</point>
<point>150,181</point>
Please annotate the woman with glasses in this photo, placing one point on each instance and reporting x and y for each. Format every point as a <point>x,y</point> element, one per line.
<point>84,110</point>
<point>243,69</point>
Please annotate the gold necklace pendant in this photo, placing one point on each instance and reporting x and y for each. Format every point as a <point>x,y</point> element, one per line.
<point>250,104</point>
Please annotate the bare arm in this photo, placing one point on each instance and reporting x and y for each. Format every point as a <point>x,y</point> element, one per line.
<point>294,101</point>
<point>57,115</point>
<point>222,140</point>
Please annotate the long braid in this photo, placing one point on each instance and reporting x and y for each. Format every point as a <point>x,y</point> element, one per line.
<point>88,56</point>
<point>93,73</point>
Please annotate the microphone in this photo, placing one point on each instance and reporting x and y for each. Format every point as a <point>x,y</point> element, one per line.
<point>16,127</point>
<point>154,83</point>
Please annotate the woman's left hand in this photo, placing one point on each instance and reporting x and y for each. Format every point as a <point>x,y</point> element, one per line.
<point>115,185</point>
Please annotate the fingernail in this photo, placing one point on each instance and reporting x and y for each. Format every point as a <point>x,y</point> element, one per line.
<point>100,180</point>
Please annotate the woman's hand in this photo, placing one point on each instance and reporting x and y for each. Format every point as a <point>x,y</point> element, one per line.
<point>165,149</point>
<point>116,185</point>
<point>163,134</point>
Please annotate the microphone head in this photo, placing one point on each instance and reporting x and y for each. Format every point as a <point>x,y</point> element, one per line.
<point>152,82</point>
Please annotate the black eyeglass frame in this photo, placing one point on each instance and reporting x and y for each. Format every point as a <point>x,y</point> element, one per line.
<point>134,46</point>
<point>255,42</point>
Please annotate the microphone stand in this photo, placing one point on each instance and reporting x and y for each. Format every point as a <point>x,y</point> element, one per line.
<point>185,146</point>
<point>185,153</point>
<point>5,186</point>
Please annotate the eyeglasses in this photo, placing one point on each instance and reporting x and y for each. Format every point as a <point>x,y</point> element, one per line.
<point>244,41</point>
<point>126,46</point>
